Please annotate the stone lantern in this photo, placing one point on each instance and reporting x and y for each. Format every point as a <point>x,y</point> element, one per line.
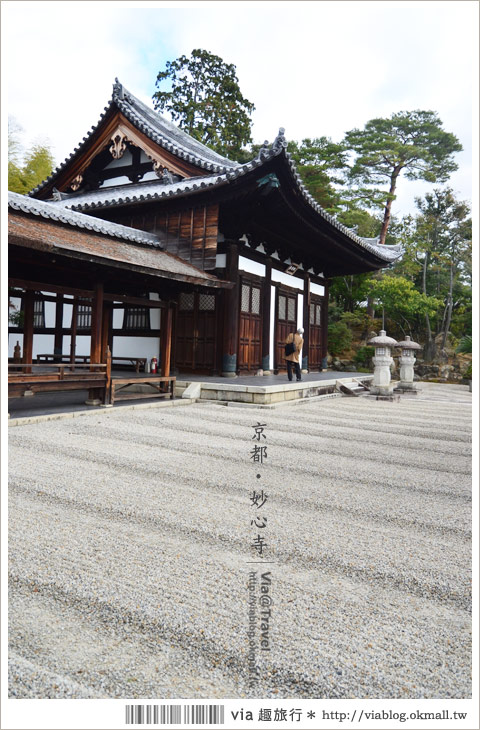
<point>407,361</point>
<point>382,361</point>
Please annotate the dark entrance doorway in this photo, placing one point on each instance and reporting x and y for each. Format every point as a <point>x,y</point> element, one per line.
<point>286,322</point>
<point>250,330</point>
<point>195,333</point>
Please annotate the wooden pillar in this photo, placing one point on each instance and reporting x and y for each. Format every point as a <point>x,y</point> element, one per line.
<point>266,308</point>
<point>96,330</point>
<point>166,340</point>
<point>96,339</point>
<point>325,328</point>
<point>73,334</point>
<point>107,317</point>
<point>306,322</point>
<point>231,313</point>
<point>28,313</point>
<point>58,342</point>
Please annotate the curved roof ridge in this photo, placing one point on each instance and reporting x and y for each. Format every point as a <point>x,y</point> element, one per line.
<point>162,131</point>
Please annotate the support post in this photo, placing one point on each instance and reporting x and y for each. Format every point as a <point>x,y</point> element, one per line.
<point>96,339</point>
<point>106,325</point>
<point>166,340</point>
<point>306,323</point>
<point>266,307</point>
<point>230,328</point>
<point>73,334</point>
<point>28,314</point>
<point>58,342</point>
<point>325,328</point>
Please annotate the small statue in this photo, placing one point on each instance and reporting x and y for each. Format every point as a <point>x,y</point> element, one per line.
<point>17,353</point>
<point>280,141</point>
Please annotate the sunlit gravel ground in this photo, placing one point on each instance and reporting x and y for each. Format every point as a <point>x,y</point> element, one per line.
<point>131,537</point>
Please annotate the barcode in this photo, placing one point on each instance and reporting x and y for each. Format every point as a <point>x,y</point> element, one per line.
<point>172,714</point>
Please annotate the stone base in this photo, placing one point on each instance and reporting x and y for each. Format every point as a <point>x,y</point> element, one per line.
<point>28,393</point>
<point>229,375</point>
<point>406,389</point>
<point>267,372</point>
<point>93,402</point>
<point>386,390</point>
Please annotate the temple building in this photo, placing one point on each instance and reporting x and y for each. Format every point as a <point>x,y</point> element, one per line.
<point>147,241</point>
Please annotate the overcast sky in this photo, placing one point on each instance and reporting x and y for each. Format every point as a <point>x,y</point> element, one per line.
<point>315,68</point>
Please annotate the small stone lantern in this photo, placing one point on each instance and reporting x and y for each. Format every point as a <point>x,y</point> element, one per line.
<point>407,361</point>
<point>382,361</point>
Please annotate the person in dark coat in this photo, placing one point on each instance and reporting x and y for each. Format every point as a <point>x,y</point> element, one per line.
<point>293,360</point>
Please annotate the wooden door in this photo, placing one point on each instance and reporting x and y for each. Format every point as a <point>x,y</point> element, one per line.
<point>286,323</point>
<point>195,333</point>
<point>316,331</point>
<point>250,329</point>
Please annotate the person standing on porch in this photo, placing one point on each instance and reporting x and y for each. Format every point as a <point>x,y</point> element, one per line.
<point>293,358</point>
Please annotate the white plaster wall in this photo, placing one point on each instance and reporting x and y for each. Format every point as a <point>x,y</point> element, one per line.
<point>251,267</point>
<point>283,278</point>
<point>136,347</point>
<point>317,289</point>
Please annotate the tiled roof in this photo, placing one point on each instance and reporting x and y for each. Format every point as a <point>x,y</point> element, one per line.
<point>166,134</point>
<point>221,170</point>
<point>59,214</point>
<point>117,247</point>
<point>156,128</point>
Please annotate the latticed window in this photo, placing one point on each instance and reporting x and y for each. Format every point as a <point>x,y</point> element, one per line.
<point>282,307</point>
<point>84,316</point>
<point>255,300</point>
<point>206,302</point>
<point>136,318</point>
<point>316,314</point>
<point>245,298</point>
<point>186,302</point>
<point>39,313</point>
<point>291,310</point>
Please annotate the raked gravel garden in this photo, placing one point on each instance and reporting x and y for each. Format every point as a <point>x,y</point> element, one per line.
<point>131,543</point>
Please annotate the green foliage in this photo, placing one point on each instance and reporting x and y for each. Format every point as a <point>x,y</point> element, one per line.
<point>401,302</point>
<point>205,100</point>
<point>465,345</point>
<point>364,355</point>
<point>318,161</point>
<point>37,164</point>
<point>350,291</point>
<point>410,143</point>
<point>339,338</point>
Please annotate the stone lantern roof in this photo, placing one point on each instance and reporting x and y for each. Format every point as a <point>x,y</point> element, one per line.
<point>408,344</point>
<point>382,340</point>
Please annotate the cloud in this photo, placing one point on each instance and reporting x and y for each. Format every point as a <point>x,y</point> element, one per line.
<point>316,68</point>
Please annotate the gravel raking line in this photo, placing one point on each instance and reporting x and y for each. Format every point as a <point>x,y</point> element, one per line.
<point>130,542</point>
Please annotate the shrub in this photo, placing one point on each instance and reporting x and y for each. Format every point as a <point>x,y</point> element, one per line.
<point>339,338</point>
<point>364,355</point>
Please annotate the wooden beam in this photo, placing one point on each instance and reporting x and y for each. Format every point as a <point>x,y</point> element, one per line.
<point>28,313</point>
<point>41,286</point>
<point>137,301</point>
